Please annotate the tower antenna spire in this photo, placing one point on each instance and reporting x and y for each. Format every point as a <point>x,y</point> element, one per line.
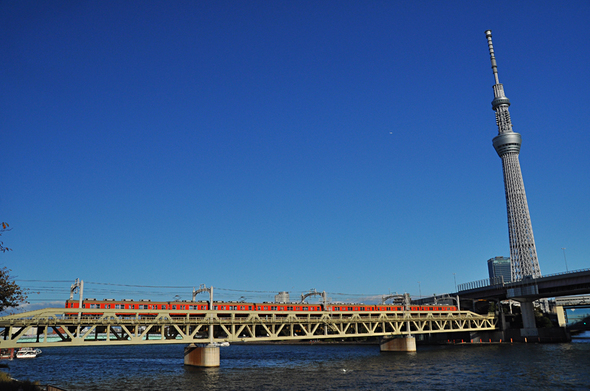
<point>492,56</point>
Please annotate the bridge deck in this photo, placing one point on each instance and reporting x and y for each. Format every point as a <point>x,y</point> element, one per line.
<point>59,327</point>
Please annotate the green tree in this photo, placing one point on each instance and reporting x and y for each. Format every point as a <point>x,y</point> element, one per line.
<point>11,295</point>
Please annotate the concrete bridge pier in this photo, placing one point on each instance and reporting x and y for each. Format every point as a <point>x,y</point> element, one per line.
<point>529,325</point>
<point>404,344</point>
<point>560,316</point>
<point>201,355</point>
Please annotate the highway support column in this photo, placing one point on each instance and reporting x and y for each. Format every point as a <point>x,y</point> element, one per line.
<point>529,325</point>
<point>560,316</point>
<point>404,344</point>
<point>201,355</point>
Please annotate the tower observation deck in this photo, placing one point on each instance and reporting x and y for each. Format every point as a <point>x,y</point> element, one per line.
<point>523,253</point>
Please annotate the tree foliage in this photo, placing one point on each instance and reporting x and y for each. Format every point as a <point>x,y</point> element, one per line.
<point>4,229</point>
<point>11,295</point>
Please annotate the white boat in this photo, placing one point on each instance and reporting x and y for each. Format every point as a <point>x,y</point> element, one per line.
<point>28,353</point>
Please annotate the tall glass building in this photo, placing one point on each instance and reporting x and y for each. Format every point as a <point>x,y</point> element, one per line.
<point>500,267</point>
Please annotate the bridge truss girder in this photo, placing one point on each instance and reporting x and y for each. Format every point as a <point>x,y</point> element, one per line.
<point>54,327</point>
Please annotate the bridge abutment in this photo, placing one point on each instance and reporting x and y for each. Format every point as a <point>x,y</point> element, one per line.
<point>404,344</point>
<point>201,355</point>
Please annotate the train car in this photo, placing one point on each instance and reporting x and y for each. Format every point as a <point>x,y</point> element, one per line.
<point>190,307</point>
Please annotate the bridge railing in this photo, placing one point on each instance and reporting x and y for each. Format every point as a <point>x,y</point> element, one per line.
<point>568,272</point>
<point>486,282</point>
<point>499,281</point>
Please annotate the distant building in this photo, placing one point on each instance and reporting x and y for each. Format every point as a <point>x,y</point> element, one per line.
<point>500,267</point>
<point>282,297</point>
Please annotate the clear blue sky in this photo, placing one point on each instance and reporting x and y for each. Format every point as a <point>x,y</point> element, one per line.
<point>261,146</point>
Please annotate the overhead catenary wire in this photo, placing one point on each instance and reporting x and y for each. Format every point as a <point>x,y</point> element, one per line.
<point>164,292</point>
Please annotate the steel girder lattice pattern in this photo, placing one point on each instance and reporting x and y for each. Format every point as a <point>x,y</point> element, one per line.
<point>56,327</point>
<point>523,253</point>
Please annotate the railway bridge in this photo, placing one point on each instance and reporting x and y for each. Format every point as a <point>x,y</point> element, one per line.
<point>204,331</point>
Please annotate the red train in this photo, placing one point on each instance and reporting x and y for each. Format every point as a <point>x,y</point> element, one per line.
<point>127,305</point>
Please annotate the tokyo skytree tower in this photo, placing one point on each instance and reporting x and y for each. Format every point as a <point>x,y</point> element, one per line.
<point>523,253</point>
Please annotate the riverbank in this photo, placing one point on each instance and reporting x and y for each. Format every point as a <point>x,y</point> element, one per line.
<point>9,384</point>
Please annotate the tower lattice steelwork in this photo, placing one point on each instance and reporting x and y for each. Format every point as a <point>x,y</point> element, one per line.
<point>523,253</point>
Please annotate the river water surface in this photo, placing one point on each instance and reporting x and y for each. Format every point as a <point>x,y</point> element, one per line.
<point>316,367</point>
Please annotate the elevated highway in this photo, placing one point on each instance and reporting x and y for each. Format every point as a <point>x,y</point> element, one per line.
<point>554,285</point>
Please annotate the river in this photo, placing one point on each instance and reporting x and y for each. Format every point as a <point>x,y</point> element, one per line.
<point>316,367</point>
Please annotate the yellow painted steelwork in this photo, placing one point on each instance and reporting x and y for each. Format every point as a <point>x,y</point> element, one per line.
<point>61,327</point>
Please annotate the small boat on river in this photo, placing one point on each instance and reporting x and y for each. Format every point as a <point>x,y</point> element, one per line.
<point>28,353</point>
